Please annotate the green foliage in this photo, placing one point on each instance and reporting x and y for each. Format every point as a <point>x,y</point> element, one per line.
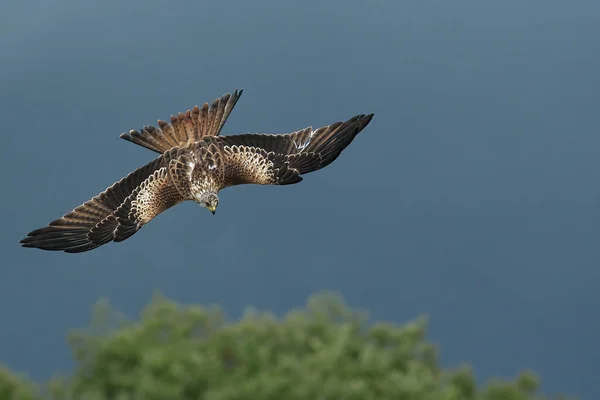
<point>325,351</point>
<point>13,387</point>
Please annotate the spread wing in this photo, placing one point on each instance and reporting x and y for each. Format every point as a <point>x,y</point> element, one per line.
<point>186,128</point>
<point>120,210</point>
<point>281,159</point>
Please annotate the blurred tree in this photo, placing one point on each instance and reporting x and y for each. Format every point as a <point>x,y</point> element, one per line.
<point>325,351</point>
<point>14,387</point>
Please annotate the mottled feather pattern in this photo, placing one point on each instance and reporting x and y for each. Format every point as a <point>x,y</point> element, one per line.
<point>155,195</point>
<point>180,172</point>
<point>195,160</point>
<point>249,165</point>
<point>207,173</point>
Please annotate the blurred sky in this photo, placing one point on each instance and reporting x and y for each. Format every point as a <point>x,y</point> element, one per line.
<point>472,196</point>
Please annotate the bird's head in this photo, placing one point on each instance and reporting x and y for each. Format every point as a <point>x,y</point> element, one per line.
<point>208,200</point>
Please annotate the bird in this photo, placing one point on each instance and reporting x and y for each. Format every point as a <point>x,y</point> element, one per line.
<point>194,163</point>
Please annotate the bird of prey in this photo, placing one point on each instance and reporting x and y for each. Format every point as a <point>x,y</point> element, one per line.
<point>195,163</point>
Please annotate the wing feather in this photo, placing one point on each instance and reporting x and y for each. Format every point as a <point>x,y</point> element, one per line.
<point>280,159</point>
<point>245,164</point>
<point>153,196</point>
<point>93,223</point>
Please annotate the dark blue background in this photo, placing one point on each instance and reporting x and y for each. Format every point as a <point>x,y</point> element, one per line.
<point>472,196</point>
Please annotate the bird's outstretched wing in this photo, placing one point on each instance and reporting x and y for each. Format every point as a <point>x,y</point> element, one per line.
<point>186,128</point>
<point>120,210</point>
<point>281,159</point>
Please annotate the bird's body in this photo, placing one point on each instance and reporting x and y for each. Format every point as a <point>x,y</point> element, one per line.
<point>195,163</point>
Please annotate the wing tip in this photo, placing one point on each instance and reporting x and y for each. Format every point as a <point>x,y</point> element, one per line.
<point>79,246</point>
<point>55,238</point>
<point>362,120</point>
<point>365,117</point>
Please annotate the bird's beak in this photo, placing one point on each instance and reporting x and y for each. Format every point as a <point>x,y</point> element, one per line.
<point>212,209</point>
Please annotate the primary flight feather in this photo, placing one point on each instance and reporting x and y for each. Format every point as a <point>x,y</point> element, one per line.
<point>195,163</point>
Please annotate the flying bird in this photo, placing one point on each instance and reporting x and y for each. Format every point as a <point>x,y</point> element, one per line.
<point>194,163</point>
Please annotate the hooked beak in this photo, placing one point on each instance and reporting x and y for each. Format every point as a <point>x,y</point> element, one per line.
<point>212,209</point>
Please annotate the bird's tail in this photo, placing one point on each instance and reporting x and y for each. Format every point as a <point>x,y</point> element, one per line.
<point>186,128</point>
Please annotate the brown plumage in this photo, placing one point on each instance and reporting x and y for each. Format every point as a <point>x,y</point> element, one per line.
<point>195,163</point>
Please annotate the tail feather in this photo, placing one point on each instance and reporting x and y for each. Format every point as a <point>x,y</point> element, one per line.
<point>186,128</point>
